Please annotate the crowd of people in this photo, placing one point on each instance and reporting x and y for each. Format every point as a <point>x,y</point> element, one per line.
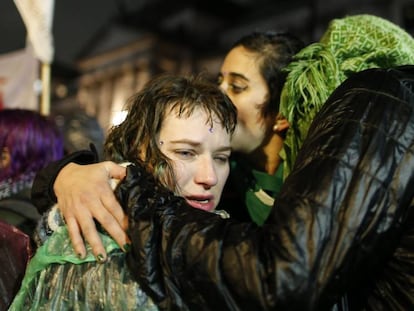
<point>28,142</point>
<point>315,214</point>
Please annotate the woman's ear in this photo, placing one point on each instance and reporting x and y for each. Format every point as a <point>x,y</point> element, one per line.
<point>5,158</point>
<point>281,124</point>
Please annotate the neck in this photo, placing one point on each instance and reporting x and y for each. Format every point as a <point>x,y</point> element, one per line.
<point>266,158</point>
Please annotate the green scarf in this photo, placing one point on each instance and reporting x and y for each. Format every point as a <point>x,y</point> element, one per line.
<point>349,45</point>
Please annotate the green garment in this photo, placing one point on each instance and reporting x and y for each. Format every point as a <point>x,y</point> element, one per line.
<point>349,45</point>
<point>56,279</point>
<point>255,189</point>
<point>259,199</point>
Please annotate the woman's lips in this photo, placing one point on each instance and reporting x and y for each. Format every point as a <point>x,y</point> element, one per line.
<point>205,203</point>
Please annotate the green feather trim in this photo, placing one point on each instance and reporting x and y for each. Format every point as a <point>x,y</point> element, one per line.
<point>349,45</point>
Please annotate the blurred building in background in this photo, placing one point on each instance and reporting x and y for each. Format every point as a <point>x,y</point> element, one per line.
<point>105,50</point>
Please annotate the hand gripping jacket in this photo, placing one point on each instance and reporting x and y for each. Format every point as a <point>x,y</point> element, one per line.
<point>340,236</point>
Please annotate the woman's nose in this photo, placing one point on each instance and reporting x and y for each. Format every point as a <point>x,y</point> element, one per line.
<point>223,86</point>
<point>206,173</point>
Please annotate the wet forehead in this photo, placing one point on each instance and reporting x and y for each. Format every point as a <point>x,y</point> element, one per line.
<point>196,126</point>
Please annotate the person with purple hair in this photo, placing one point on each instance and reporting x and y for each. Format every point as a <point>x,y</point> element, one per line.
<point>28,142</point>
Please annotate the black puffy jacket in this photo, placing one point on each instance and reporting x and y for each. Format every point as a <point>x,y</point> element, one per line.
<point>339,237</point>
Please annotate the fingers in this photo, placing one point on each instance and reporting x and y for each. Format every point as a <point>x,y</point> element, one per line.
<point>113,211</point>
<point>84,195</point>
<point>81,227</point>
<point>113,229</point>
<point>92,237</point>
<point>114,170</point>
<point>110,202</point>
<point>76,237</point>
<point>103,214</point>
<point>117,228</point>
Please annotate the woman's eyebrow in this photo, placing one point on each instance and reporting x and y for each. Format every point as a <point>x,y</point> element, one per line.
<point>224,148</point>
<point>235,75</point>
<point>197,143</point>
<point>238,75</point>
<point>186,141</point>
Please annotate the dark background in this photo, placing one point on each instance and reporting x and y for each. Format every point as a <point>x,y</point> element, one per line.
<point>207,27</point>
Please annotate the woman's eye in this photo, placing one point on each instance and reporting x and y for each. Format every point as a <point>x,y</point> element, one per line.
<point>237,88</point>
<point>222,159</point>
<point>185,154</point>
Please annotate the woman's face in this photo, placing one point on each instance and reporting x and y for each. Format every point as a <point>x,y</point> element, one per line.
<point>200,155</point>
<point>241,80</point>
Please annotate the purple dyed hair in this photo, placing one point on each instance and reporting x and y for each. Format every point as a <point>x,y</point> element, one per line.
<point>32,139</point>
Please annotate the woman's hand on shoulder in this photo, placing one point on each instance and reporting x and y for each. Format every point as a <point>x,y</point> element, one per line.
<point>84,194</point>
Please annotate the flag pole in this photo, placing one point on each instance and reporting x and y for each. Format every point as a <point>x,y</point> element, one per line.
<point>37,15</point>
<point>45,96</point>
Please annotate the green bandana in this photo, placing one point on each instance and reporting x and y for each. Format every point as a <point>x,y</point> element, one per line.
<point>349,45</point>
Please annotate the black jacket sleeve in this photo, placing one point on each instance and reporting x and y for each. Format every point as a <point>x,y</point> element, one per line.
<point>43,196</point>
<point>338,220</point>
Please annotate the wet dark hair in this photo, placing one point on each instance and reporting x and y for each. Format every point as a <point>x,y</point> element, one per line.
<point>136,137</point>
<point>274,51</point>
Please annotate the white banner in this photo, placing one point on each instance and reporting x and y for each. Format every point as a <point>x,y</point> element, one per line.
<point>19,73</point>
<point>37,15</point>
